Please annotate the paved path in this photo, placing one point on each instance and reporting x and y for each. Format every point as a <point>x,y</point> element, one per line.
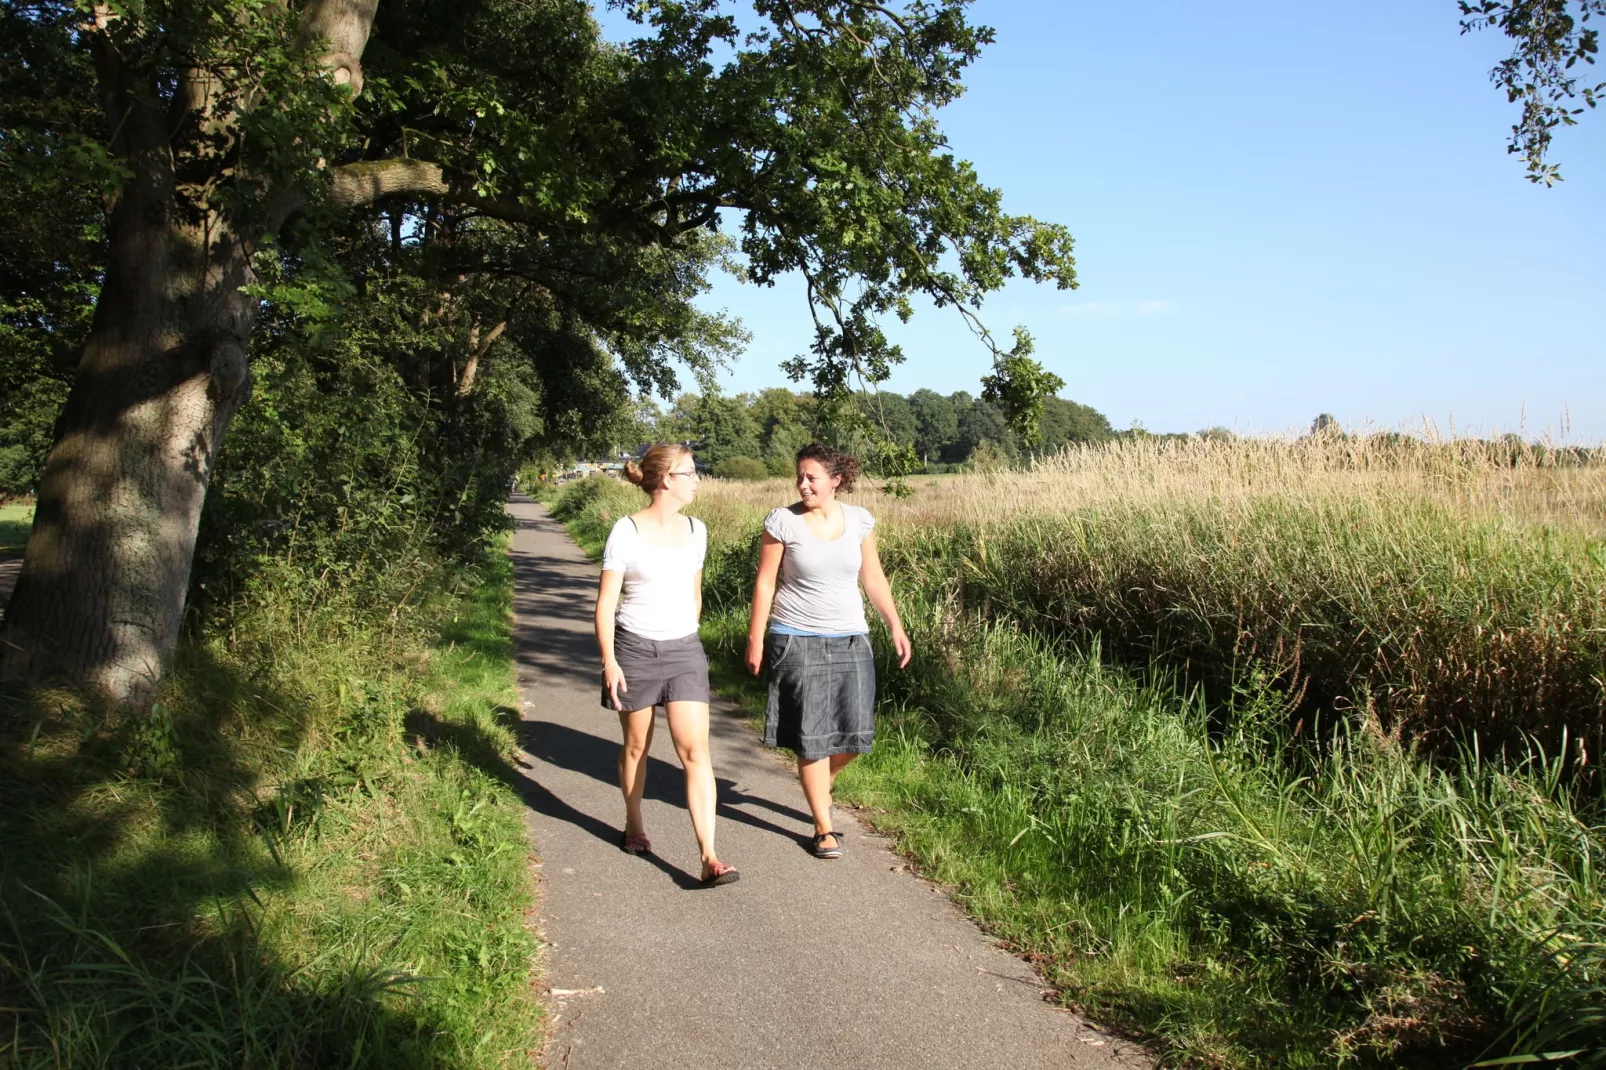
<point>802,963</point>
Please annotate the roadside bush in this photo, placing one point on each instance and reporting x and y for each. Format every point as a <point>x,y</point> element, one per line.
<point>741,468</point>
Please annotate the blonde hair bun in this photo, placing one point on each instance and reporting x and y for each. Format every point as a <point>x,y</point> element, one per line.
<point>649,472</point>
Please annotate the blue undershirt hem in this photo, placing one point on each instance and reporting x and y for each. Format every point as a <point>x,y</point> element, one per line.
<point>786,629</point>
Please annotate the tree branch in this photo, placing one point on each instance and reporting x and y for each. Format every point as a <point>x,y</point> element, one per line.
<point>477,348</point>
<point>369,181</point>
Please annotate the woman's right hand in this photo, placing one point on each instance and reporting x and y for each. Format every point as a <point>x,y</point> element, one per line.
<point>755,655</point>
<point>613,679</point>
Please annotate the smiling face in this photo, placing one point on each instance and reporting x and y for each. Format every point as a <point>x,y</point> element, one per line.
<point>815,483</point>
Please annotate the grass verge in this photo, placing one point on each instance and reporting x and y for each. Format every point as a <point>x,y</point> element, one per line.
<point>16,518</point>
<point>298,860</point>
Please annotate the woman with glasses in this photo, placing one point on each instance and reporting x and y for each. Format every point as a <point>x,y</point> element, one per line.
<point>648,605</point>
<point>812,560</point>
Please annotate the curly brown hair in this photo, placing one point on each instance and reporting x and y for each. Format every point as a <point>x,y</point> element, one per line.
<point>837,462</point>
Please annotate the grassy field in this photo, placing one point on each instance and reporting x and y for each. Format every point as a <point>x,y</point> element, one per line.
<point>1449,588</point>
<point>1260,871</point>
<point>309,856</point>
<point>15,520</point>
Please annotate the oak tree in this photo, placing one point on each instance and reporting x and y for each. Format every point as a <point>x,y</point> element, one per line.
<point>230,122</point>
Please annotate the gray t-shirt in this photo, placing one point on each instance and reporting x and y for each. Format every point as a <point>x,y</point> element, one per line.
<point>818,589</point>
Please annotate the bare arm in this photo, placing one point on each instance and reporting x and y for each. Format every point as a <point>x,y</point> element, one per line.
<point>770,550</point>
<point>697,594</point>
<point>879,589</point>
<point>608,590</point>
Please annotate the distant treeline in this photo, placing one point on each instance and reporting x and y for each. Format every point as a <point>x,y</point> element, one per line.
<point>749,435</point>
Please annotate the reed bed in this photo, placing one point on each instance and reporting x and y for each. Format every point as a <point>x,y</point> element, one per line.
<point>1525,485</point>
<point>1458,590</point>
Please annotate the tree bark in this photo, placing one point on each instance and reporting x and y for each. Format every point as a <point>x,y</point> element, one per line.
<point>100,598</point>
<point>101,593</point>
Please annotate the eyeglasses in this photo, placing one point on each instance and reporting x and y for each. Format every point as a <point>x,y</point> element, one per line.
<point>692,472</point>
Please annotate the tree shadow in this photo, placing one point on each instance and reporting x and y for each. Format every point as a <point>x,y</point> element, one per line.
<point>596,757</point>
<point>545,588</point>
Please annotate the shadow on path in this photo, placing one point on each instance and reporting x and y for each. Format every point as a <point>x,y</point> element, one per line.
<point>582,752</point>
<point>546,588</point>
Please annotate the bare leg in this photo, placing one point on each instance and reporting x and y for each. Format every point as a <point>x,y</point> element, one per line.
<point>637,728</point>
<point>688,727</point>
<point>815,773</point>
<point>839,762</point>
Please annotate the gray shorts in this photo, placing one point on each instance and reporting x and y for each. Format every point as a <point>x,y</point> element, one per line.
<point>822,694</point>
<point>659,670</point>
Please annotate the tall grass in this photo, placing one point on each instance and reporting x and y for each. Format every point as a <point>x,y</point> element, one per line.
<point>308,856</point>
<point>1452,588</point>
<point>1252,875</point>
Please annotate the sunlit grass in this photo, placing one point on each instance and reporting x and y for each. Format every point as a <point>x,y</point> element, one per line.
<point>1452,587</point>
<point>310,855</point>
<point>16,518</point>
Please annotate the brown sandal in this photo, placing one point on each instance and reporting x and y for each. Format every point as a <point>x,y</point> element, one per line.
<point>635,843</point>
<point>719,873</point>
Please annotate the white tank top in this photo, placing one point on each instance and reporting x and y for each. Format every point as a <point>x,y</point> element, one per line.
<point>659,600</point>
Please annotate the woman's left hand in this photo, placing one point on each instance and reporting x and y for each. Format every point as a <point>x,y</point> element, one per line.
<point>902,647</point>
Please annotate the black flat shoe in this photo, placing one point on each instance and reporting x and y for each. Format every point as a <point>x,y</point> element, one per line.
<point>822,851</point>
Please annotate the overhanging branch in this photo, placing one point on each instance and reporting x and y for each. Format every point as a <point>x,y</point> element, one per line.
<point>370,181</point>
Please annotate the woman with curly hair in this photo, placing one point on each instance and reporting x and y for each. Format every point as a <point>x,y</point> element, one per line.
<point>812,560</point>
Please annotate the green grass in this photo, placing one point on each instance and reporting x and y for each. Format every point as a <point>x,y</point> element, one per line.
<point>310,855</point>
<point>1243,886</point>
<point>1243,898</point>
<point>1446,625</point>
<point>16,518</point>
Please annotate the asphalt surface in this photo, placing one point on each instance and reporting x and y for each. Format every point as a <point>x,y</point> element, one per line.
<point>852,963</point>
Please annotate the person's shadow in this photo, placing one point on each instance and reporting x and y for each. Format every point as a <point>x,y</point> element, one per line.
<point>596,757</point>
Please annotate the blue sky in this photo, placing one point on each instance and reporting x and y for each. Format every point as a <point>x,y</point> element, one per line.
<point>1280,209</point>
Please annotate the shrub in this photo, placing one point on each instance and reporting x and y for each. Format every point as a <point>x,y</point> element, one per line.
<point>741,468</point>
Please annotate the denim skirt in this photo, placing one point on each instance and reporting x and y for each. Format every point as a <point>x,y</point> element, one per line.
<point>658,671</point>
<point>822,694</point>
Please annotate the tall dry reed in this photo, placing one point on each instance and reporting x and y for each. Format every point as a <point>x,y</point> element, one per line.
<point>1456,588</point>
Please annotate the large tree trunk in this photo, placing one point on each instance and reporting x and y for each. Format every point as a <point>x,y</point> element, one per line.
<point>101,594</point>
